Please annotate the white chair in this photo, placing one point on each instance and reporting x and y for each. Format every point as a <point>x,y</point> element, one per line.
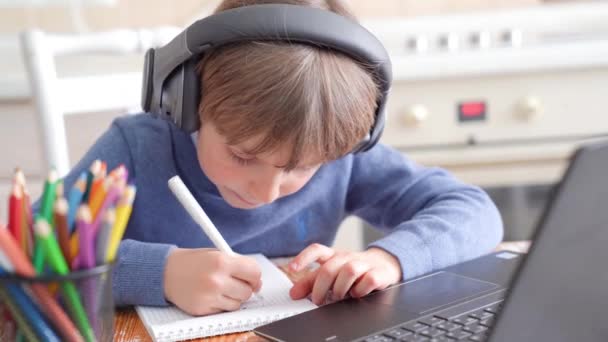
<point>56,97</point>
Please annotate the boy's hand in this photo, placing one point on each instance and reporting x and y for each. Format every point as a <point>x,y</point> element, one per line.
<point>206,281</point>
<point>354,273</point>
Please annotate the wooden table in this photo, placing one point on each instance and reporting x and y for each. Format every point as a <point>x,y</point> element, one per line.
<point>128,326</point>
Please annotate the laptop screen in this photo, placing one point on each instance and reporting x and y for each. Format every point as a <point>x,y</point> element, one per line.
<point>561,291</point>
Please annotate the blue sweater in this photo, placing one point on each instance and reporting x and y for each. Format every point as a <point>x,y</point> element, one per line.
<point>430,219</point>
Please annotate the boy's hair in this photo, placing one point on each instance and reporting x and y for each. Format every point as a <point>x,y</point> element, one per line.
<point>319,101</point>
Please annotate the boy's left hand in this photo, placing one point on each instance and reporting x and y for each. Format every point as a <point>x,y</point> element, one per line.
<point>357,273</point>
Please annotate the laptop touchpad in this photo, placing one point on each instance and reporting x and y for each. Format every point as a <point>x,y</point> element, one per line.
<point>431,292</point>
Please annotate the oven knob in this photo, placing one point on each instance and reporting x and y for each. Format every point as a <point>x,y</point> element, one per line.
<point>480,40</point>
<point>448,42</point>
<point>530,108</point>
<point>416,115</point>
<point>512,38</point>
<point>417,44</point>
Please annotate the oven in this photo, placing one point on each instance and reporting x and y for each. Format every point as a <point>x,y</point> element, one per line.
<point>499,98</point>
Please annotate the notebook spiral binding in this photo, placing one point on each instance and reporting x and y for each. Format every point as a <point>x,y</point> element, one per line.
<point>219,329</point>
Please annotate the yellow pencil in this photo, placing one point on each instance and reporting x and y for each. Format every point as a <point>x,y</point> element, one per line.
<point>123,212</point>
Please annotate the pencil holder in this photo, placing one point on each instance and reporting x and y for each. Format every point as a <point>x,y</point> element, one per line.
<point>75,307</point>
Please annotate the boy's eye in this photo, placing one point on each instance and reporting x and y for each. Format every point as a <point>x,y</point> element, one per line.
<point>303,168</point>
<point>240,160</point>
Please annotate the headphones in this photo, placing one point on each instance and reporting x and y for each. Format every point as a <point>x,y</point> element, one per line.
<point>171,85</point>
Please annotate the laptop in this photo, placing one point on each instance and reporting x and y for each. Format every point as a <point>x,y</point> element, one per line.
<point>557,292</point>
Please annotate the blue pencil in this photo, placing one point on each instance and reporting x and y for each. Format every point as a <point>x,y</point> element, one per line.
<point>29,311</point>
<point>22,324</point>
<point>75,198</point>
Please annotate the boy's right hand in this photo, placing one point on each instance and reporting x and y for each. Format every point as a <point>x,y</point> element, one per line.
<point>205,281</point>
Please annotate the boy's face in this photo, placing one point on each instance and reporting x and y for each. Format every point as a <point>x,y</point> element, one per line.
<point>248,181</point>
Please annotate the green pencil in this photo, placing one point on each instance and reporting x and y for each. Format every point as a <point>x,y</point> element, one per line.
<point>49,195</point>
<point>57,262</point>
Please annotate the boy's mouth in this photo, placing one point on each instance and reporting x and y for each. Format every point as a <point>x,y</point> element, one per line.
<point>249,203</point>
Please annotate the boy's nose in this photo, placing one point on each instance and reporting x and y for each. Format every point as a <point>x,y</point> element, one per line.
<point>267,189</point>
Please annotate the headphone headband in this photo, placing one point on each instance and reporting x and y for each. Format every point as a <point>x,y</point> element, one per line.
<point>171,86</point>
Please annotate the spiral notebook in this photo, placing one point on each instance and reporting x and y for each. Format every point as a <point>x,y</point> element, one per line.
<point>270,304</point>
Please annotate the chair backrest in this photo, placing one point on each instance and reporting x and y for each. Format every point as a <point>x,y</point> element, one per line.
<point>56,97</point>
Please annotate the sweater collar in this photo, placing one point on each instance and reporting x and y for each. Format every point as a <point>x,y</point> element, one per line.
<point>187,165</point>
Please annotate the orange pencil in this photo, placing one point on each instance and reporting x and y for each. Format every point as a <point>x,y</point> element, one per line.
<point>120,172</point>
<point>61,222</point>
<point>97,169</point>
<point>98,189</point>
<point>93,171</point>
<point>74,247</point>
<point>98,194</point>
<point>49,306</point>
<point>15,207</point>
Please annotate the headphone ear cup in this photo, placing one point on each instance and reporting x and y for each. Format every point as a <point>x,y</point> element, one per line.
<point>379,123</point>
<point>374,134</point>
<point>191,94</point>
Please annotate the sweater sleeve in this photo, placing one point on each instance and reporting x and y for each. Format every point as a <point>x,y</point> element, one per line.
<point>431,219</point>
<point>139,266</point>
<point>138,273</point>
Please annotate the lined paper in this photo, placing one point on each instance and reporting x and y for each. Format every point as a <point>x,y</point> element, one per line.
<point>270,304</point>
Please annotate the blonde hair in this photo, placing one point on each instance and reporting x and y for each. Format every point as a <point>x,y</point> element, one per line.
<point>320,101</point>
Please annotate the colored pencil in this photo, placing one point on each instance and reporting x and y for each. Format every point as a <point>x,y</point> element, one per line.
<point>61,226</point>
<point>29,311</point>
<point>75,198</point>
<point>120,172</point>
<point>86,238</point>
<point>98,180</point>
<point>26,225</point>
<point>123,213</point>
<point>111,199</point>
<point>93,171</point>
<point>48,197</point>
<point>86,260</point>
<point>15,215</point>
<point>46,212</point>
<point>21,321</point>
<point>22,266</point>
<point>103,236</point>
<point>58,264</point>
<point>5,262</point>
<point>98,194</point>
<point>92,174</point>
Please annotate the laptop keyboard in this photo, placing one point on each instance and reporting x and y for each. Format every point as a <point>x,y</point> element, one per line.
<point>468,326</point>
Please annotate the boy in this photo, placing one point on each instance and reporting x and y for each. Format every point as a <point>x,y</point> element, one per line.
<point>271,166</point>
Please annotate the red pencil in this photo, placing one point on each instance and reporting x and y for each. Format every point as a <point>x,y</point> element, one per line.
<point>27,231</point>
<point>26,222</point>
<point>49,306</point>
<point>15,215</point>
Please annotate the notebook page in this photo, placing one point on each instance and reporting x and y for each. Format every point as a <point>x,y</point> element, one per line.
<point>271,303</point>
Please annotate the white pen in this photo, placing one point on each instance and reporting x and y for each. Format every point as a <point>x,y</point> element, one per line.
<point>185,197</point>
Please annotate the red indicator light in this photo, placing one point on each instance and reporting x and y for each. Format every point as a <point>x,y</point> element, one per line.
<point>468,111</point>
